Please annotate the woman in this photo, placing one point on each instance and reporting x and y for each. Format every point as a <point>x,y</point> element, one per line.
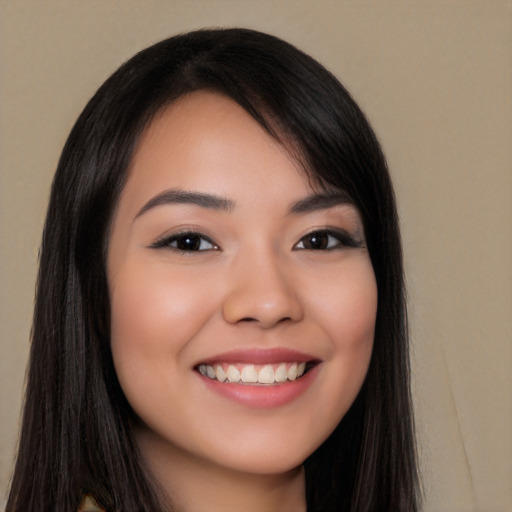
<point>220,318</point>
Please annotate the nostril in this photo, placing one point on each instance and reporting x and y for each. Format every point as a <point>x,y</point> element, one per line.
<point>251,319</point>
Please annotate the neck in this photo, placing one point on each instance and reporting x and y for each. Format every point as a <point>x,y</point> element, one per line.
<point>192,484</point>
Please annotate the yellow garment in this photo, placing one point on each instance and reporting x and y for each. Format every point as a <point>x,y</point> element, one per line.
<point>89,505</point>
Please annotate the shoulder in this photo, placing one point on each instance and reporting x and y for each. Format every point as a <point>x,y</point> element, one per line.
<point>89,504</point>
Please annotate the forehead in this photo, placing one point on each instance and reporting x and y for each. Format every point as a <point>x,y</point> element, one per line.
<point>207,139</point>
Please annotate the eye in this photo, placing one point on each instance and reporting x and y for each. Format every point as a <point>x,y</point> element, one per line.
<point>186,242</point>
<point>326,240</point>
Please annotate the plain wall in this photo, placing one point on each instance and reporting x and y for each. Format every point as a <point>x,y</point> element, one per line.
<point>435,79</point>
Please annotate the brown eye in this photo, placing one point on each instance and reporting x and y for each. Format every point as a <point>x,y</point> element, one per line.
<point>326,240</point>
<point>317,241</point>
<point>186,242</point>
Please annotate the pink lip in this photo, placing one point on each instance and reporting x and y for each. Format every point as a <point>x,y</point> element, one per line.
<point>260,356</point>
<point>262,397</point>
<point>258,396</point>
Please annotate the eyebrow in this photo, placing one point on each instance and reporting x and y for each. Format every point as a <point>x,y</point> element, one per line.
<point>321,201</point>
<point>176,196</point>
<point>315,202</point>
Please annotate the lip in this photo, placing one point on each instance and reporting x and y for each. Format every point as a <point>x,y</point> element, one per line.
<point>260,356</point>
<point>261,396</point>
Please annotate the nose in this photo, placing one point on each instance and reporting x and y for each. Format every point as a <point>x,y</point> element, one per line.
<point>262,292</point>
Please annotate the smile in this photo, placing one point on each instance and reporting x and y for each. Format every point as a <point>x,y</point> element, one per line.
<point>259,378</point>
<point>254,374</point>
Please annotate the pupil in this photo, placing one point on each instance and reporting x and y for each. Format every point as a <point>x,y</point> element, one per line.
<point>189,243</point>
<point>317,242</point>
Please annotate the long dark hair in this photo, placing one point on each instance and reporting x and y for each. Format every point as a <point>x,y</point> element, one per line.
<point>76,435</point>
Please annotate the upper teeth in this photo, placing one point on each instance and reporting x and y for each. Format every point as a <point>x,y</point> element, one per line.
<point>253,374</point>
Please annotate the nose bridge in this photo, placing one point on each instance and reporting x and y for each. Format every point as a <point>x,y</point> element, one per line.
<point>261,289</point>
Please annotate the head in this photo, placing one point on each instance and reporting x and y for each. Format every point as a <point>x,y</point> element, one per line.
<point>307,112</point>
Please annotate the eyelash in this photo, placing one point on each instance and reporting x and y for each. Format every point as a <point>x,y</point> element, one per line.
<point>184,236</point>
<point>342,239</point>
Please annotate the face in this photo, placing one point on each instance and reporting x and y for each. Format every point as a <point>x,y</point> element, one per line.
<point>243,301</point>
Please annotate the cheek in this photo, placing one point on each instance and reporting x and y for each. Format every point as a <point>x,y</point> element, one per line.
<point>347,311</point>
<point>354,330</point>
<point>347,307</point>
<point>154,315</point>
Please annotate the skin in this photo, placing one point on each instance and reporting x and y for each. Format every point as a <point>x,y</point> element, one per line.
<point>258,284</point>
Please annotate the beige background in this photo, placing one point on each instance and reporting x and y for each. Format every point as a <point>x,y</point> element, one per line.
<point>434,77</point>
